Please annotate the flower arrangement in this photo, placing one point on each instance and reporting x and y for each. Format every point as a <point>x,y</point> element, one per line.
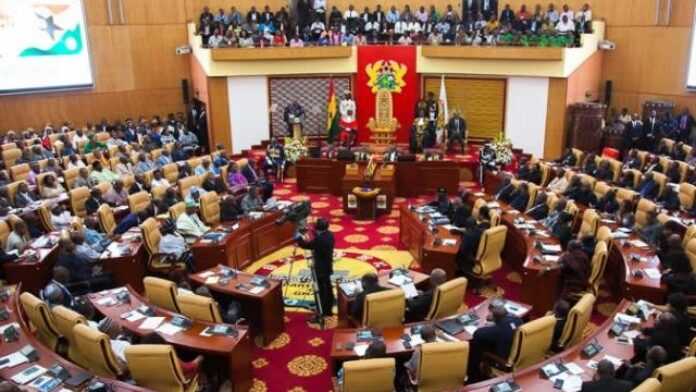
<point>295,149</point>
<point>503,150</point>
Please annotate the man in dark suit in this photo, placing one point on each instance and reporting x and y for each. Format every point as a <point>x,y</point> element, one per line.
<point>55,293</point>
<point>685,122</point>
<point>560,312</point>
<point>505,191</point>
<point>636,374</point>
<point>664,333</point>
<point>489,8</point>
<point>469,245</point>
<point>652,128</point>
<point>322,247</point>
<point>648,188</point>
<point>575,270</point>
<point>540,209</point>
<point>604,380</point>
<point>520,198</point>
<point>456,130</point>
<point>507,15</point>
<point>370,284</point>
<point>417,308</point>
<point>495,339</point>
<point>470,9</point>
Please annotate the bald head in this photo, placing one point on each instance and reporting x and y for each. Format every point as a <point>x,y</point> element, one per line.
<point>674,241</point>
<point>438,276</point>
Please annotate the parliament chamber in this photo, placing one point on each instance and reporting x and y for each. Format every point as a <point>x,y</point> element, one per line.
<point>209,195</point>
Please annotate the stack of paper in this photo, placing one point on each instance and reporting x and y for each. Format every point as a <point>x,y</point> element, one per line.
<point>151,323</point>
<point>409,290</point>
<point>13,359</point>
<point>653,273</point>
<point>638,244</point>
<point>169,329</point>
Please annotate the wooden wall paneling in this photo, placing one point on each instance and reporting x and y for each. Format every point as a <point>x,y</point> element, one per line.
<point>199,81</point>
<point>682,13</point>
<point>112,60</point>
<point>481,102</point>
<point>219,128</point>
<point>644,12</point>
<point>586,80</point>
<point>153,12</point>
<point>96,12</point>
<point>155,63</point>
<point>555,136</point>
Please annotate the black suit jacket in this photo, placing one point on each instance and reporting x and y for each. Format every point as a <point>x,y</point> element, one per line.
<point>497,338</point>
<point>607,385</point>
<point>417,308</point>
<point>322,247</point>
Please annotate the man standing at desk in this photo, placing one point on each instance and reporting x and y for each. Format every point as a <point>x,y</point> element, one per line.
<point>322,247</point>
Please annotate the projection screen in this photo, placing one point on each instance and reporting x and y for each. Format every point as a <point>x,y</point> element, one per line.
<point>43,46</point>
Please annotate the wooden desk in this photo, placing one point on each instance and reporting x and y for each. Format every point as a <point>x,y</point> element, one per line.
<point>236,351</point>
<point>320,175</point>
<point>265,310</point>
<point>129,265</point>
<point>529,378</point>
<point>344,301</point>
<point>33,272</point>
<point>47,357</point>
<point>393,336</point>
<point>247,241</point>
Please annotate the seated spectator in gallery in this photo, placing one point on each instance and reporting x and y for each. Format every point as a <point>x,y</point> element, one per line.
<point>35,170</point>
<point>604,172</point>
<point>123,167</point>
<point>206,167</point>
<point>117,195</point>
<point>158,180</point>
<point>144,164</point>
<point>565,25</point>
<point>60,217</point>
<point>559,183</point>
<point>165,158</point>
<point>24,197</point>
<point>99,174</point>
<point>568,158</point>
<point>235,179</point>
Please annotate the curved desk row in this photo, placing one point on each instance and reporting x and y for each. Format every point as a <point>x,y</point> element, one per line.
<point>46,357</point>
<point>234,351</point>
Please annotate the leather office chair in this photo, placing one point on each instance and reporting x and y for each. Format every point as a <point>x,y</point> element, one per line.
<point>477,206</point>
<point>601,188</point>
<point>107,222</point>
<point>128,181</point>
<point>186,183</point>
<point>4,232</point>
<point>369,375</point>
<point>588,179</point>
<point>69,177</point>
<point>40,180</point>
<point>599,264</point>
<point>199,307</point>
<point>644,207</point>
<point>78,197</point>
<point>45,218</point>
<point>138,201</point>
<point>176,210</point>
<point>551,200</point>
<point>443,366</point>
<point>8,146</point>
<point>40,317</point>
<point>170,171</point>
<point>158,192</point>
<point>161,263</point>
<point>157,367</point>
<point>678,376</point>
<point>604,235</point>
<point>615,166</point>
<point>65,320</point>
<point>156,153</point>
<point>102,137</point>
<point>572,209</point>
<point>661,181</point>
<point>447,299</point>
<point>488,255</point>
<point>590,223</point>
<point>545,173</point>
<point>95,347</point>
<point>530,344</point>
<point>533,192</point>
<point>689,235</point>
<point>10,156</point>
<point>643,156</point>
<point>690,250</point>
<point>495,217</point>
<point>579,155</point>
<point>195,162</point>
<point>649,385</point>
<point>104,187</point>
<point>691,351</point>
<point>20,172</point>
<point>210,208</point>
<point>384,309</point>
<point>687,195</point>
<point>12,190</point>
<point>161,292</point>
<point>625,194</point>
<point>577,320</point>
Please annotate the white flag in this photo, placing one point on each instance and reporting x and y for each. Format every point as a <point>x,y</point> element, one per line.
<point>443,101</point>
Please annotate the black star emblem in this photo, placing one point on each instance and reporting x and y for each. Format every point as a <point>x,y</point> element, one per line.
<point>51,26</point>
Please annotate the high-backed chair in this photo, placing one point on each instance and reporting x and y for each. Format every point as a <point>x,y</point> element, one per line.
<point>384,309</point>
<point>579,155</point>
<point>530,344</point>
<point>545,173</point>
<point>161,292</point>
<point>447,299</point>
<point>678,376</point>
<point>78,197</point>
<point>156,153</point>
<point>170,171</point>
<point>210,208</point>
<point>4,232</point>
<point>495,217</point>
<point>158,192</point>
<point>95,347</point>
<point>442,366</point>
<point>601,188</point>
<point>156,367</point>
<point>199,307</point>
<point>661,181</point>
<point>625,194</point>
<point>105,216</point>
<point>488,255</point>
<point>186,183</point>
<point>577,320</point>
<point>69,176</point>
<point>692,348</point>
<point>138,201</point>
<point>643,156</point>
<point>369,375</point>
<point>40,317</point>
<point>649,385</point>
<point>157,262</point>
<point>65,320</point>
<point>12,190</point>
<point>687,195</point>
<point>604,234</point>
<point>615,166</point>
<point>477,206</point>
<point>45,218</point>
<point>599,265</point>
<point>690,250</point>
<point>10,156</point>
<point>643,209</point>
<point>40,180</point>
<point>8,146</point>
<point>533,192</point>
<point>590,223</point>
<point>689,234</point>
<point>572,209</point>
<point>20,172</point>
<point>176,210</point>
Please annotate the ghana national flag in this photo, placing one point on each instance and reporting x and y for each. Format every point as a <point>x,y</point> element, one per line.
<point>332,128</point>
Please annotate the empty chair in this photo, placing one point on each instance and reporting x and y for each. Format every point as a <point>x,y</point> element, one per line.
<point>384,309</point>
<point>40,317</point>
<point>687,195</point>
<point>601,188</point>
<point>625,194</point>
<point>590,223</point>
<point>599,264</point>
<point>649,385</point>
<point>447,299</point>
<point>105,216</point>
<point>10,156</point>
<point>210,208</point>
<point>65,320</point>
<point>678,376</point>
<point>161,292</point>
<point>488,255</point>
<point>369,375</point>
<point>20,172</point>
<point>643,210</point>
<point>170,172</point>
<point>45,218</point>
<point>78,197</point>
<point>156,367</point>
<point>577,320</point>
<point>199,307</point>
<point>442,366</point>
<point>138,201</point>
<point>661,181</point>
<point>95,347</point>
<point>530,344</point>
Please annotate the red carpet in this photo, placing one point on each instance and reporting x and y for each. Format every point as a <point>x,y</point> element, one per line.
<point>298,360</point>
